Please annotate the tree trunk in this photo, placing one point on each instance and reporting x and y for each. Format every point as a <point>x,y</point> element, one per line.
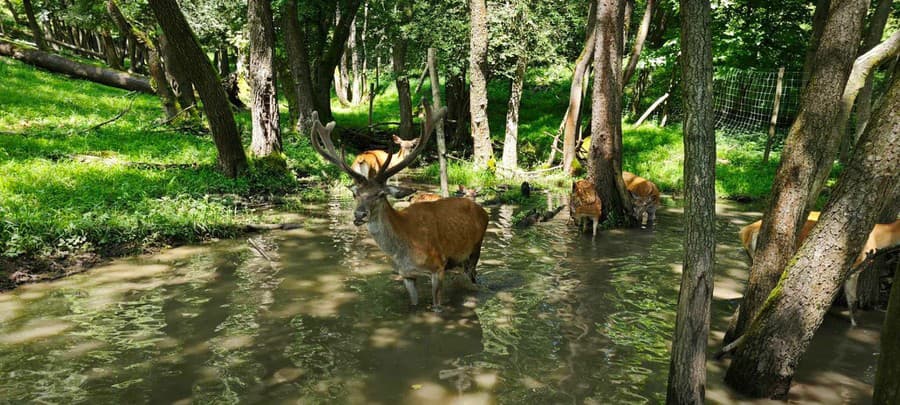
<point>804,149</point>
<point>859,76</point>
<point>109,51</point>
<point>764,363</point>
<point>570,121</point>
<point>887,378</point>
<point>59,64</point>
<point>330,57</point>
<point>287,86</point>
<point>357,63</point>
<point>818,24</point>
<point>15,14</point>
<point>510,150</point>
<point>482,151</point>
<point>439,129</point>
<point>398,65</point>
<point>864,102</point>
<point>231,158</point>
<point>36,32</point>
<point>342,74</point>
<point>298,58</point>
<point>639,39</point>
<point>224,66</point>
<point>605,169</point>
<point>266,135</point>
<point>457,108</point>
<point>687,367</point>
<point>178,77</point>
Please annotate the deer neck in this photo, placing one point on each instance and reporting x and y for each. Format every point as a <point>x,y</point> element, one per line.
<point>400,155</point>
<point>384,226</point>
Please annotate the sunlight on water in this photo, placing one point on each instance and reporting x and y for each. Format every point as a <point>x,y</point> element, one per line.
<point>321,317</point>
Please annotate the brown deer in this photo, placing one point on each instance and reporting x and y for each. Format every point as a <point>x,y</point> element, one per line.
<point>462,191</point>
<point>370,162</point>
<point>585,204</point>
<point>425,238</point>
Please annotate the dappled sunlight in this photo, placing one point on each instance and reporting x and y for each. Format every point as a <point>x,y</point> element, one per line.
<point>33,331</point>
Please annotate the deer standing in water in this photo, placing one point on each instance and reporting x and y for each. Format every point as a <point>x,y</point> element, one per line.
<point>425,238</point>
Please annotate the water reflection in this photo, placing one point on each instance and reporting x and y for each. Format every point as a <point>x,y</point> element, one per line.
<point>316,314</point>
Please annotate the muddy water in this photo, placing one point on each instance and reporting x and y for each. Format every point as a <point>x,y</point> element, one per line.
<point>319,317</point>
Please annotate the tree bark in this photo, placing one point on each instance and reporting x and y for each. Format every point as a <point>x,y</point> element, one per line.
<point>109,50</point>
<point>266,135</point>
<point>820,15</point>
<point>33,25</point>
<point>638,45</point>
<point>482,151</point>
<point>510,150</point>
<point>231,158</point>
<point>15,14</point>
<point>859,76</point>
<point>765,362</point>
<point>330,57</point>
<point>457,108</point>
<point>439,129</point>
<point>298,57</point>
<point>576,92</point>
<point>398,66</point>
<point>178,78</point>
<point>887,377</point>
<point>59,64</point>
<point>864,103</point>
<point>605,161</point>
<point>224,66</point>
<point>687,367</point>
<point>801,158</point>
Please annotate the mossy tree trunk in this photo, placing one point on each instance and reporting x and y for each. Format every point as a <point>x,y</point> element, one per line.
<point>266,134</point>
<point>805,148</point>
<point>231,158</point>
<point>764,363</point>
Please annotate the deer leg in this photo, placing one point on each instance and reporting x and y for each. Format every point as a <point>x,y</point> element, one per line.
<point>850,287</point>
<point>472,263</point>
<point>596,221</point>
<point>410,284</point>
<point>437,280</point>
<point>651,215</point>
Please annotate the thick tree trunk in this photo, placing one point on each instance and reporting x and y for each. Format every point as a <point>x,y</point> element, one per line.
<point>398,65</point>
<point>576,93</point>
<point>510,149</point>
<point>638,45</point>
<point>887,378</point>
<point>804,149</point>
<point>687,367</point>
<point>298,58</point>
<point>820,15</point>
<point>266,135</point>
<point>605,161</point>
<point>439,129</point>
<point>458,109</point>
<point>178,78</point>
<point>765,362</point>
<point>859,76</point>
<point>482,151</point>
<point>33,25</point>
<point>864,102</point>
<point>109,51</point>
<point>330,57</point>
<point>231,158</point>
<point>59,64</point>
<point>286,83</point>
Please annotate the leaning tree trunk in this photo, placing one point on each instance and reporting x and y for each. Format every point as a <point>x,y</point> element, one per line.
<point>510,150</point>
<point>687,367</point>
<point>231,158</point>
<point>12,10</point>
<point>605,169</point>
<point>439,129</point>
<point>818,24</point>
<point>864,102</point>
<point>178,78</point>
<point>638,45</point>
<point>324,69</point>
<point>887,378</point>
<point>806,144</point>
<point>398,65</point>
<point>33,25</point>
<point>109,50</point>
<point>59,64</point>
<point>478,70</point>
<point>576,93</point>
<point>764,363</point>
<point>266,135</point>
<point>298,58</point>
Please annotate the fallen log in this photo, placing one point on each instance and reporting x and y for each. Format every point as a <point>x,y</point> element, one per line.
<point>59,64</point>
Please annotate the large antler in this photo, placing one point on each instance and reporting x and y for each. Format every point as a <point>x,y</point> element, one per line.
<point>321,142</point>
<point>427,128</point>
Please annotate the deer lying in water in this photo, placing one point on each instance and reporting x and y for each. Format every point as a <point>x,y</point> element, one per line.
<point>429,237</point>
<point>883,236</point>
<point>469,193</point>
<point>370,162</point>
<point>584,204</point>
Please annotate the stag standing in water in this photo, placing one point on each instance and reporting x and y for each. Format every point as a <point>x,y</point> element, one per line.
<point>425,238</point>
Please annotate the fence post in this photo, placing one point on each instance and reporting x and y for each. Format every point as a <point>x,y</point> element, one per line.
<point>774,120</point>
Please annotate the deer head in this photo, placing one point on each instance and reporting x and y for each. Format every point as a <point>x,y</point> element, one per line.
<point>369,193</point>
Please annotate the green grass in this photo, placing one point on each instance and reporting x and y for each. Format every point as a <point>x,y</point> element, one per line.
<point>65,190</point>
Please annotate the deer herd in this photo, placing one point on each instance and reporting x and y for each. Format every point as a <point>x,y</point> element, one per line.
<point>434,235</point>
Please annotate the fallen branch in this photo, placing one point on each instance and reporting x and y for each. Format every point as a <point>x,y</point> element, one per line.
<point>183,110</point>
<point>119,115</point>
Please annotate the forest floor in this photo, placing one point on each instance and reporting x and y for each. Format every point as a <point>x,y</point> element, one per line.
<point>73,192</point>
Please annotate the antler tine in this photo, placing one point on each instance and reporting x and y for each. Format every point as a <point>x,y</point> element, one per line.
<point>325,147</point>
<point>428,127</point>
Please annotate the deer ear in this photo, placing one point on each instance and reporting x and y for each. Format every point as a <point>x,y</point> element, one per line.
<point>397,139</point>
<point>400,192</point>
<point>353,188</point>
